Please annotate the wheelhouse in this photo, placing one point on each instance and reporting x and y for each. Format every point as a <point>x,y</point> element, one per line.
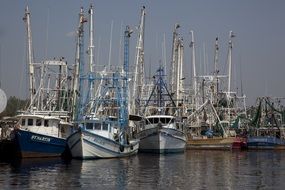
<point>160,119</point>
<point>27,121</point>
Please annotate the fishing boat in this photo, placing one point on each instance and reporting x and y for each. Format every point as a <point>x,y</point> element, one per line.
<point>265,142</point>
<point>215,113</point>
<point>267,126</point>
<point>101,138</point>
<point>43,127</point>
<point>104,121</point>
<point>216,143</point>
<point>161,135</point>
<point>220,136</point>
<point>39,135</point>
<point>163,131</point>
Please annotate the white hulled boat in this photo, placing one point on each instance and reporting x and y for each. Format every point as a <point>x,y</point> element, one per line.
<point>103,121</point>
<point>161,134</point>
<point>100,138</point>
<point>162,131</point>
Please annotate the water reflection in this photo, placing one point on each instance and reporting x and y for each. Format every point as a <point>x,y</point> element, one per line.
<point>191,170</point>
<point>29,173</point>
<point>109,173</point>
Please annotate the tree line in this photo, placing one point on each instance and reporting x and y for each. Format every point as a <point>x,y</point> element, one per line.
<point>14,104</point>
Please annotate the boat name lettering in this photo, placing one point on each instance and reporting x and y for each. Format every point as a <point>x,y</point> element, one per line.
<point>38,138</point>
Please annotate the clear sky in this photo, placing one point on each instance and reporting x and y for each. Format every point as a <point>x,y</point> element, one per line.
<point>258,51</point>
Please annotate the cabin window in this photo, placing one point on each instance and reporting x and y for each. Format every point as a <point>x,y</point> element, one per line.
<point>163,120</point>
<point>97,126</point>
<point>38,122</point>
<point>105,126</point>
<point>23,122</point>
<point>46,123</point>
<point>30,122</point>
<point>148,121</point>
<point>157,120</point>
<point>171,120</point>
<point>89,126</point>
<point>153,120</point>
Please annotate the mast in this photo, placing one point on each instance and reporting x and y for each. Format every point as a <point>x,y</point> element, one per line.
<point>173,71</point>
<point>192,45</point>
<point>30,57</point>
<point>164,53</point>
<point>179,72</point>
<point>231,35</point>
<point>216,71</point>
<point>216,57</point>
<point>124,114</point>
<point>91,56</point>
<point>78,68</point>
<point>139,65</point>
<point>110,46</point>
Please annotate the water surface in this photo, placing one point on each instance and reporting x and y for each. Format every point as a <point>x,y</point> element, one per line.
<point>191,170</point>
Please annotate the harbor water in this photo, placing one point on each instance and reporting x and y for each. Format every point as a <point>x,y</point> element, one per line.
<point>191,170</point>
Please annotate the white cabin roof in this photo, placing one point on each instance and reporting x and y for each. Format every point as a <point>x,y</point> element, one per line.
<point>159,116</point>
<point>32,116</point>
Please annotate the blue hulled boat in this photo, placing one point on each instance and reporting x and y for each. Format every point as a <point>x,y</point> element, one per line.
<point>40,136</point>
<point>265,142</point>
<point>267,129</point>
<point>43,127</point>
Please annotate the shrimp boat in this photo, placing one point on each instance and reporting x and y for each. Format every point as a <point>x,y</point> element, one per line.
<point>41,135</point>
<point>267,130</point>
<point>215,111</point>
<point>103,121</point>
<point>43,127</point>
<point>104,132</point>
<point>163,131</point>
<point>162,135</point>
<point>101,138</point>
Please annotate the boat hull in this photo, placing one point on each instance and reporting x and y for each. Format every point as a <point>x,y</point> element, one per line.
<point>239,143</point>
<point>163,140</point>
<point>86,145</point>
<point>34,145</point>
<point>265,143</point>
<point>215,143</point>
